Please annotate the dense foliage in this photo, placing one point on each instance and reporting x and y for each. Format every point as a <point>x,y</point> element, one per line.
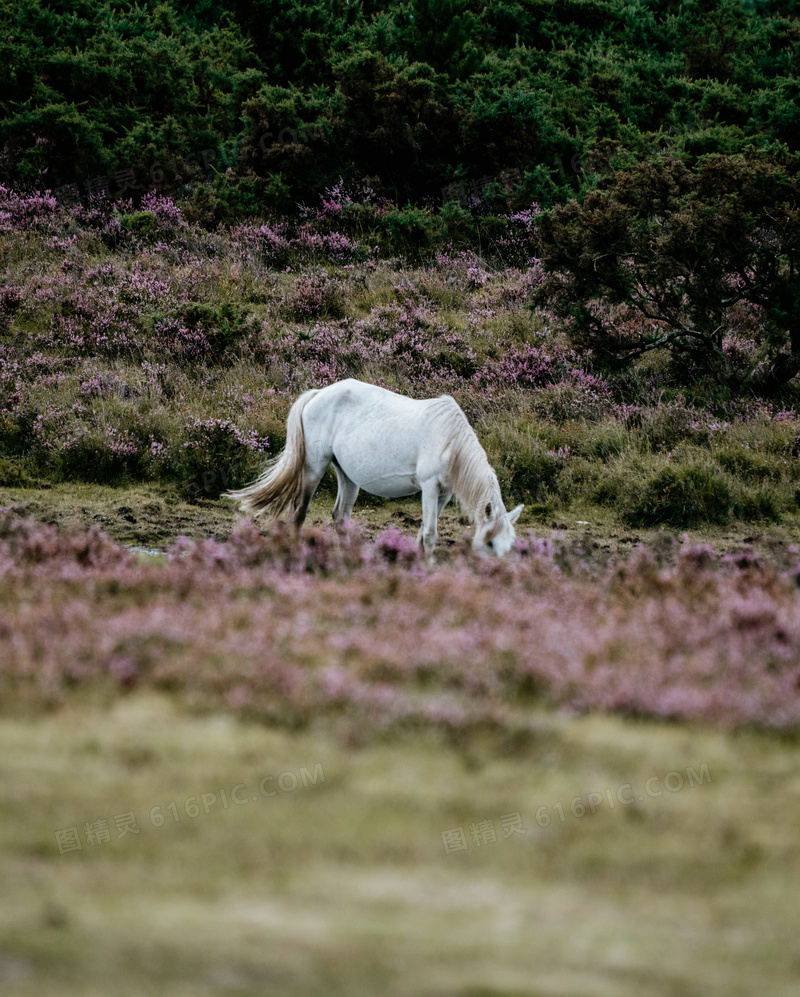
<point>682,249</point>
<point>514,100</point>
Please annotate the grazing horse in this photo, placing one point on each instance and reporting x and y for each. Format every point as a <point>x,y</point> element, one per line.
<point>389,445</point>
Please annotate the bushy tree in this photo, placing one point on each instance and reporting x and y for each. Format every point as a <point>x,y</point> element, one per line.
<point>680,246</point>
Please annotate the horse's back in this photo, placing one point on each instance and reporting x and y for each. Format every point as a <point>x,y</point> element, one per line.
<point>355,393</point>
<point>350,402</point>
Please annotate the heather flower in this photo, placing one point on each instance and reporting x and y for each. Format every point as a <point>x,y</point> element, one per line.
<point>315,295</point>
<point>518,247</point>
<point>333,627</point>
<point>264,243</point>
<point>524,366</point>
<point>180,341</point>
<point>334,246</point>
<point>168,215</point>
<point>29,211</point>
<point>476,277</point>
<point>396,547</point>
<point>100,334</point>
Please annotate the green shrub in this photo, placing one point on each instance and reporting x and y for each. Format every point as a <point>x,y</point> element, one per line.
<point>17,435</point>
<point>747,465</point>
<point>678,497</point>
<point>224,324</point>
<point>240,197</point>
<point>458,223</point>
<point>581,480</point>
<point>215,456</point>
<point>757,504</point>
<point>414,232</point>
<point>529,472</point>
<point>141,223</point>
<point>14,474</point>
<point>104,458</point>
<point>601,442</point>
<point>664,428</point>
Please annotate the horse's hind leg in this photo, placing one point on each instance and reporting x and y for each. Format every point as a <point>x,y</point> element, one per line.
<point>312,475</point>
<point>345,497</point>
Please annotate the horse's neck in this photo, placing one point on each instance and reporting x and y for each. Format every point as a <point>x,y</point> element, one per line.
<point>489,494</point>
<point>472,479</point>
<point>480,487</point>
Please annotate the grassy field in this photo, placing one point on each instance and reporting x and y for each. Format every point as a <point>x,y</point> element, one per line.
<point>340,883</point>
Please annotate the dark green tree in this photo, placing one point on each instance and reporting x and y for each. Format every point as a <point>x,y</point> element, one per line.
<point>443,33</point>
<point>680,246</point>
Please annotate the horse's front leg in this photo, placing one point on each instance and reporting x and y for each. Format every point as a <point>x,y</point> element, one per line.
<point>430,513</point>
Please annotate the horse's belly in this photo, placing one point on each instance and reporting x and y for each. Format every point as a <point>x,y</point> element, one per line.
<point>379,481</point>
<point>390,486</point>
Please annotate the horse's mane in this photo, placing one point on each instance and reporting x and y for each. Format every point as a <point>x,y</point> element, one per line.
<point>469,475</point>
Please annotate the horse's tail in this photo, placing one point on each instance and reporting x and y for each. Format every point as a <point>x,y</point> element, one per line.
<point>280,484</point>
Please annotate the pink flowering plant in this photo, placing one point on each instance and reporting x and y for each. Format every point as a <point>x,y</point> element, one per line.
<point>325,628</point>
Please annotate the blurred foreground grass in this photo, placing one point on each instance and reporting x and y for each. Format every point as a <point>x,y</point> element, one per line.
<point>343,886</point>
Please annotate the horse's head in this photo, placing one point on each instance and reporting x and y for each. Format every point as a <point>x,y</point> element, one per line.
<point>494,529</point>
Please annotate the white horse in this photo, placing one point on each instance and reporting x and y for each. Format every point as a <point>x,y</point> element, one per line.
<point>389,445</point>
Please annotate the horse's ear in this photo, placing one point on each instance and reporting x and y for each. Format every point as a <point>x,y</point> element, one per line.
<point>513,516</point>
<point>488,510</point>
